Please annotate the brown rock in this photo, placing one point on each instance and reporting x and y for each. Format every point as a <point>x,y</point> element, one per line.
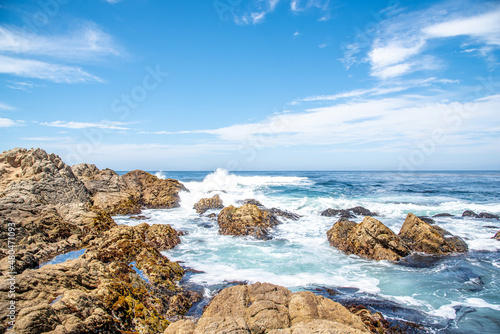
<point>422,237</point>
<point>370,239</point>
<point>497,235</point>
<point>246,220</point>
<point>205,204</point>
<point>267,308</point>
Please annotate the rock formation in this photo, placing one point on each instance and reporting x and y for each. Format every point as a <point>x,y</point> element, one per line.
<point>129,193</point>
<point>267,308</point>
<point>419,236</point>
<point>52,212</point>
<point>370,239</point>
<point>246,220</point>
<point>205,204</point>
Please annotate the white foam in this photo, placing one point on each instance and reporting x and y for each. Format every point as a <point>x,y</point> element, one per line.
<point>159,174</point>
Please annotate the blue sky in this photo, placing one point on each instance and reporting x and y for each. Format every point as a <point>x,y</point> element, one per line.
<point>253,85</point>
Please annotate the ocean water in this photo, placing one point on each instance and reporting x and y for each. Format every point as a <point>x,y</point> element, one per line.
<point>454,294</point>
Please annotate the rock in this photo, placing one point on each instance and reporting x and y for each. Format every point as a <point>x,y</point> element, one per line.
<point>205,204</point>
<point>419,236</point>
<point>470,213</point>
<point>370,239</point>
<point>139,217</point>
<point>246,220</point>
<point>268,308</point>
<point>253,202</point>
<point>100,292</point>
<point>348,213</point>
<point>212,216</point>
<point>497,235</point>
<point>129,193</point>
<point>427,219</point>
<point>487,215</point>
<point>334,212</point>
<point>283,213</point>
<point>443,215</point>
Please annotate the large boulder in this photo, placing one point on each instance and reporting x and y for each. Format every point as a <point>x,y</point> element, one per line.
<point>206,204</point>
<point>267,308</point>
<point>422,237</point>
<point>470,213</point>
<point>246,220</point>
<point>370,239</point>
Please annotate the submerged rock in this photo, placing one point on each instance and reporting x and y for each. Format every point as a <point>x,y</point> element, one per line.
<point>487,215</point>
<point>205,204</point>
<point>283,213</point>
<point>246,220</point>
<point>268,308</point>
<point>470,213</point>
<point>370,239</point>
<point>443,215</point>
<point>419,236</point>
<point>348,213</point>
<point>253,202</point>
<point>427,219</point>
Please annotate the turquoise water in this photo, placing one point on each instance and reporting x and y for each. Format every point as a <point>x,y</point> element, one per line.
<point>456,294</point>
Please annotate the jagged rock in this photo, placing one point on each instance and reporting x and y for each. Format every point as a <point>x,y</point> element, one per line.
<point>443,215</point>
<point>246,220</point>
<point>470,213</point>
<point>205,204</point>
<point>370,239</point>
<point>419,236</point>
<point>283,213</point>
<point>100,292</point>
<point>497,235</point>
<point>129,193</point>
<point>487,215</point>
<point>348,213</point>
<point>268,308</point>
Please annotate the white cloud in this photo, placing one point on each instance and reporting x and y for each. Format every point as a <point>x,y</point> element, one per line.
<point>322,45</point>
<point>53,57</point>
<point>485,27</point>
<point>29,68</point>
<point>20,85</point>
<point>113,1</point>
<point>83,125</point>
<point>401,42</point>
<point>7,123</point>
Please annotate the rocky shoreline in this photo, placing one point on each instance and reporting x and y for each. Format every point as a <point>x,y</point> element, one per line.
<point>123,284</point>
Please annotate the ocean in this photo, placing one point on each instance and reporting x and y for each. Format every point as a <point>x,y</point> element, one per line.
<point>453,294</point>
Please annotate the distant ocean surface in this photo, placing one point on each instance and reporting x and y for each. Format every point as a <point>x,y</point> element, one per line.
<point>455,294</point>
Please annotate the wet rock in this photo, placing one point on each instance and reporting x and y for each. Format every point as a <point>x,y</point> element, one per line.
<point>487,215</point>
<point>100,292</point>
<point>267,308</point>
<point>497,235</point>
<point>212,216</point>
<point>283,213</point>
<point>253,202</point>
<point>419,236</point>
<point>205,204</point>
<point>470,213</point>
<point>246,220</point>
<point>139,217</point>
<point>443,215</point>
<point>370,239</point>
<point>427,220</point>
<point>348,213</point>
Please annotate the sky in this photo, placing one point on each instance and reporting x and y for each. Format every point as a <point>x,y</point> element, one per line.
<point>253,84</point>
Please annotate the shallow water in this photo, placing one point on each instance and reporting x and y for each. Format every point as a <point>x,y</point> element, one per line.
<point>456,294</point>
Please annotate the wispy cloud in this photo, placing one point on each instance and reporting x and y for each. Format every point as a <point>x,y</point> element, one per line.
<point>113,1</point>
<point>4,106</point>
<point>52,57</point>
<point>47,138</point>
<point>83,125</point>
<point>21,85</point>
<point>257,10</point>
<point>29,68</point>
<point>401,42</point>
